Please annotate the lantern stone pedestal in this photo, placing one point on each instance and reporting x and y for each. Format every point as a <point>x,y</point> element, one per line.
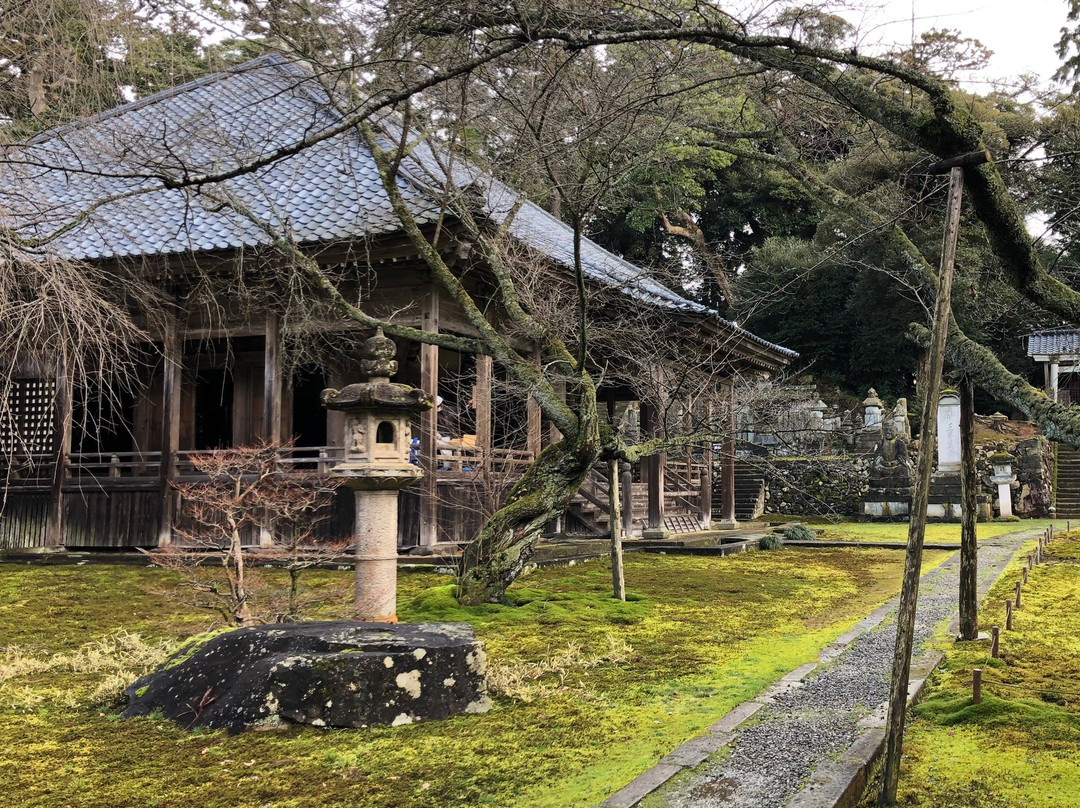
<point>376,466</point>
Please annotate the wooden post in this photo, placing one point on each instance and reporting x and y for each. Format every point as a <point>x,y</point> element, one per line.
<point>482,402</point>
<point>995,636</point>
<point>1054,380</point>
<point>727,466</point>
<point>429,425</point>
<point>54,527</point>
<point>272,392</point>
<point>976,686</point>
<point>1019,586</point>
<point>653,471</point>
<point>707,471</point>
<point>1025,571</point>
<point>909,593</point>
<point>618,580</point>
<point>627,476</point>
<point>969,547</point>
<point>1008,615</point>
<point>172,367</point>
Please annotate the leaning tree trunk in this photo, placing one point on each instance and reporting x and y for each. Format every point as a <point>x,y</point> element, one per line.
<point>969,548</point>
<point>497,556</point>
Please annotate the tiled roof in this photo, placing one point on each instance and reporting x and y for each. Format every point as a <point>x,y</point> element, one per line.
<point>94,173</point>
<point>1054,342</point>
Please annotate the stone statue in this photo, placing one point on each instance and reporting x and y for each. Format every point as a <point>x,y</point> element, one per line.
<point>891,461</point>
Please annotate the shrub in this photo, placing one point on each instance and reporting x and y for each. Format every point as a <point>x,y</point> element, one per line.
<point>771,541</point>
<point>798,533</point>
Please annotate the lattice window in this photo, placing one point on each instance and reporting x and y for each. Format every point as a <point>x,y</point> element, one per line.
<point>26,417</point>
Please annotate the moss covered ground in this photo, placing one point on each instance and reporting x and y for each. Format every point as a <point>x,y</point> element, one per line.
<point>935,531</point>
<point>1020,747</point>
<point>591,691</point>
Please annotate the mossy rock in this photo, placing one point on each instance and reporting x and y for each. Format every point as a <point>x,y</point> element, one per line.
<point>335,674</point>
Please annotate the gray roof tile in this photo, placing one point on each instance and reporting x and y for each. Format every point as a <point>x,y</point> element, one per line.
<point>1054,342</point>
<point>329,191</point>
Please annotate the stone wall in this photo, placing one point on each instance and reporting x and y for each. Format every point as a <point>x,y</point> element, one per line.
<point>833,485</point>
<point>818,486</point>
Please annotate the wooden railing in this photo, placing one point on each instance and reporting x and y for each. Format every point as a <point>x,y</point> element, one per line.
<point>455,456</point>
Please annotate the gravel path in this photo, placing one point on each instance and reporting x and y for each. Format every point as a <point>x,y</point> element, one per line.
<point>804,725</point>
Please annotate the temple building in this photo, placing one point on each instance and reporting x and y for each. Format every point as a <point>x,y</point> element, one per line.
<point>84,469</point>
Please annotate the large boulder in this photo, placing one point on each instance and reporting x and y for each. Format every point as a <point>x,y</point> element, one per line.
<point>339,674</point>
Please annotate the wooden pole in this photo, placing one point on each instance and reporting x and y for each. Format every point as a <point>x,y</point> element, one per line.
<point>707,471</point>
<point>172,367</point>
<point>429,424</point>
<point>969,547</point>
<point>272,380</point>
<point>976,686</point>
<point>618,579</point>
<point>727,465</point>
<point>1019,587</point>
<point>909,593</point>
<point>627,490</point>
<point>54,527</point>
<point>1008,615</point>
<point>485,373</point>
<point>653,466</point>
<point>272,392</point>
<point>995,639</point>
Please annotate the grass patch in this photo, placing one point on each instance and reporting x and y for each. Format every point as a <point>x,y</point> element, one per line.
<point>935,531</point>
<point>1021,746</point>
<point>590,690</point>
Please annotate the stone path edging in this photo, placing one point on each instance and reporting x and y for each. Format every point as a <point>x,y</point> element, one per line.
<point>835,783</point>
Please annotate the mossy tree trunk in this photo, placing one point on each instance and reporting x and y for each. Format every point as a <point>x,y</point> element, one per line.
<point>497,556</point>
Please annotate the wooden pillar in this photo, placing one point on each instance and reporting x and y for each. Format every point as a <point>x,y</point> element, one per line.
<point>1053,391</point>
<point>482,402</point>
<point>532,422</point>
<point>272,380</point>
<point>727,465</point>
<point>172,367</point>
<point>272,395</point>
<point>653,470</point>
<point>429,424</point>
<point>54,528</point>
<point>707,470</point>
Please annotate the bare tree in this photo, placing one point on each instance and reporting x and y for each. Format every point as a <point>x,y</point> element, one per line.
<point>246,491</point>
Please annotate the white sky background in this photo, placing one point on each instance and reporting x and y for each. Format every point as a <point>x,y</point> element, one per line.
<point>1021,33</point>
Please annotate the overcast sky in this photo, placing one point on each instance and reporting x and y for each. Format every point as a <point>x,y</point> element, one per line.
<point>1022,33</point>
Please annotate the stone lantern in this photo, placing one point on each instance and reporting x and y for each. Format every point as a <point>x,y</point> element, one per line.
<point>1003,478</point>
<point>377,440</point>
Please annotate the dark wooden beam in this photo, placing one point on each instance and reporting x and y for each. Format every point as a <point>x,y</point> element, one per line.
<point>170,428</point>
<point>54,528</point>
<point>429,424</point>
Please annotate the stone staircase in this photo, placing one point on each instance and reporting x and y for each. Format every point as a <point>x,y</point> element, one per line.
<point>749,492</point>
<point>1068,482</point>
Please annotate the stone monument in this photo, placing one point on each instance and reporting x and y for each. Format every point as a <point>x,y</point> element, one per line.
<point>889,494</point>
<point>944,503</point>
<point>376,466</point>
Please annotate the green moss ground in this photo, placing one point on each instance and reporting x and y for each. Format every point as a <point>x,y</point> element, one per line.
<point>1020,747</point>
<point>935,531</point>
<point>705,634</point>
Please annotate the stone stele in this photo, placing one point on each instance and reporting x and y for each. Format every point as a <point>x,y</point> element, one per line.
<point>328,674</point>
